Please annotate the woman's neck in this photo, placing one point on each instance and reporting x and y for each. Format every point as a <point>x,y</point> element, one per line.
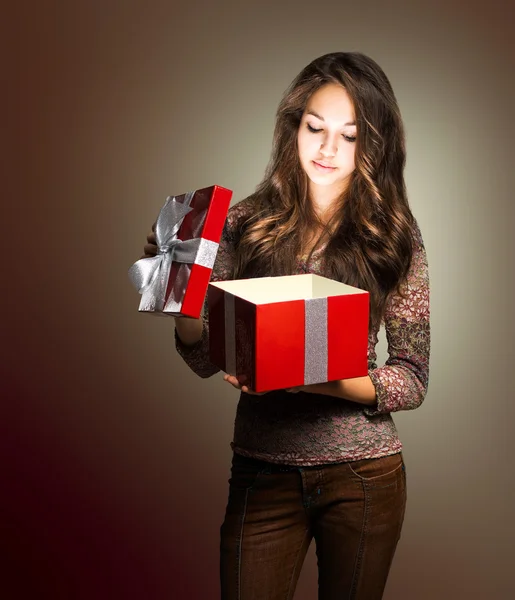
<point>324,200</point>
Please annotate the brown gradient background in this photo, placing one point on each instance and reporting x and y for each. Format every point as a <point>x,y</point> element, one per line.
<point>115,455</point>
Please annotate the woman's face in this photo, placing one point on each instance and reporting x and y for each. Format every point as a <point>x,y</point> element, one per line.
<point>326,140</point>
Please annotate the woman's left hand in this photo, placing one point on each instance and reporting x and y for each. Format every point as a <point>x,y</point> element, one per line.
<point>239,384</point>
<point>301,388</point>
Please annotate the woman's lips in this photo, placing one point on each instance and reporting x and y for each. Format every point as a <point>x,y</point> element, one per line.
<point>323,168</point>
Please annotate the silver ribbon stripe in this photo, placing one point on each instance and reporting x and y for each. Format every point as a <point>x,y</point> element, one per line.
<point>315,348</point>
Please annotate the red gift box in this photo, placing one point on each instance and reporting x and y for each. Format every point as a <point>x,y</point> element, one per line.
<point>282,332</point>
<point>188,230</point>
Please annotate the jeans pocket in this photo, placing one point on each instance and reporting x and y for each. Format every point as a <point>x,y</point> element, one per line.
<point>379,471</point>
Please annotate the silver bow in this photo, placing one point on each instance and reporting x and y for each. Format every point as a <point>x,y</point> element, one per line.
<point>151,274</point>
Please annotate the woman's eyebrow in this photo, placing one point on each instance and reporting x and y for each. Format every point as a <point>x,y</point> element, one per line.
<point>315,114</point>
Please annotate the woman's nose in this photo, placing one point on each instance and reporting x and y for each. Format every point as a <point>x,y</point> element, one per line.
<point>328,148</point>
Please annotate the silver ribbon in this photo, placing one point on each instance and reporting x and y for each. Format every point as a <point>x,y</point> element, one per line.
<point>315,348</point>
<point>150,275</point>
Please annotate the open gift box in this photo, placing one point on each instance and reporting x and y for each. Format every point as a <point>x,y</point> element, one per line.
<point>282,332</point>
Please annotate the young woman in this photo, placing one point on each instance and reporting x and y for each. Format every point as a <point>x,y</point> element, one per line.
<point>325,462</point>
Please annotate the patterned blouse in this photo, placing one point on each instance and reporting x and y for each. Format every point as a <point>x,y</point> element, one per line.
<point>308,429</point>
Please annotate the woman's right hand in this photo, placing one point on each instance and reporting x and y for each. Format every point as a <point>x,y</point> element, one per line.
<point>189,329</point>
<point>150,248</point>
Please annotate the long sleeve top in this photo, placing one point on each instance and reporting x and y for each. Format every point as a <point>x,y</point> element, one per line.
<point>307,429</point>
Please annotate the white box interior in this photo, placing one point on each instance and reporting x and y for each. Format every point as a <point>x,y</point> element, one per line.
<point>265,290</point>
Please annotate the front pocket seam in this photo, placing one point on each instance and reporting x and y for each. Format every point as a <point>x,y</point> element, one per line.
<point>375,476</point>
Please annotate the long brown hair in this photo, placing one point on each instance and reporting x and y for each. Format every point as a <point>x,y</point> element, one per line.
<point>369,237</point>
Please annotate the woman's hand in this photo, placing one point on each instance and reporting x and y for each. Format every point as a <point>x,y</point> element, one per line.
<point>189,329</point>
<point>298,388</point>
<point>359,389</point>
<point>150,248</point>
<point>239,384</point>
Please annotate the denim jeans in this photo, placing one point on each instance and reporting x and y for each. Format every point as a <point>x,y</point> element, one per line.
<point>353,510</point>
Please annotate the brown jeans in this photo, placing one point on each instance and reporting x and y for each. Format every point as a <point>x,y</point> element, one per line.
<point>353,510</point>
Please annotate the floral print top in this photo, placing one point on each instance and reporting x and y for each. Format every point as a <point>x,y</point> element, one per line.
<point>308,429</point>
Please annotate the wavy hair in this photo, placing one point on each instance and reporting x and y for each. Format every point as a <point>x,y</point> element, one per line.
<point>368,239</point>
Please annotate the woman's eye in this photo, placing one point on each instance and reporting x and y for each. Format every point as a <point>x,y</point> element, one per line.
<point>348,138</point>
<point>313,130</point>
